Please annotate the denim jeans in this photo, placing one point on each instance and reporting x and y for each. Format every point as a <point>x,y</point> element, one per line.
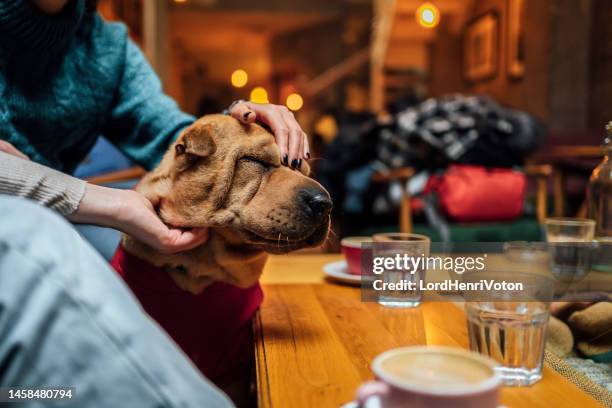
<point>66,319</point>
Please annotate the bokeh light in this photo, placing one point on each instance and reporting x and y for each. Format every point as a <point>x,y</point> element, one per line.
<point>428,15</point>
<point>239,78</point>
<point>294,102</point>
<point>259,95</point>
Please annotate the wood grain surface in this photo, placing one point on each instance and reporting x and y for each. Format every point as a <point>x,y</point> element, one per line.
<point>315,340</point>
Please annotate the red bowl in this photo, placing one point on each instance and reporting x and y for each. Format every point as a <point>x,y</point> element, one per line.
<point>353,252</point>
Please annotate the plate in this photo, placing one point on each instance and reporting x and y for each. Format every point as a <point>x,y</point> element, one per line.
<point>338,271</point>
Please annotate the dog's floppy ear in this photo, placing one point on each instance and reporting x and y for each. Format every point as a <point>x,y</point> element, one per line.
<point>197,140</point>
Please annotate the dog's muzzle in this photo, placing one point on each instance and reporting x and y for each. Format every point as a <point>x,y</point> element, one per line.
<point>311,211</point>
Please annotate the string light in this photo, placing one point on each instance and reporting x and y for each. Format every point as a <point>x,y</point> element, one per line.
<point>259,95</point>
<point>428,15</point>
<point>239,78</point>
<point>294,102</point>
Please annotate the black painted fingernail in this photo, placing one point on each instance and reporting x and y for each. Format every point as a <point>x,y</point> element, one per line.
<point>299,164</point>
<point>294,163</point>
<point>307,155</point>
<point>285,160</point>
<point>246,115</point>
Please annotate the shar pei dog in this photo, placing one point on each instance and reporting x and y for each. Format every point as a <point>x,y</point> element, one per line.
<point>226,176</point>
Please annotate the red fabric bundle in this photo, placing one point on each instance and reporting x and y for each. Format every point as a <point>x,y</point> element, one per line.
<point>474,193</point>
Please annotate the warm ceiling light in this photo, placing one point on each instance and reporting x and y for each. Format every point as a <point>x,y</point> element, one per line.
<point>294,102</point>
<point>180,1</point>
<point>239,78</point>
<point>259,95</point>
<point>428,15</point>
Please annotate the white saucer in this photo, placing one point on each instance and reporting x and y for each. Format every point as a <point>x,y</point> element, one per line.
<point>339,271</point>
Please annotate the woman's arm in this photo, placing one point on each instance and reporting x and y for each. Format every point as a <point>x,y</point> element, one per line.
<point>143,121</point>
<point>23,178</point>
<point>80,202</point>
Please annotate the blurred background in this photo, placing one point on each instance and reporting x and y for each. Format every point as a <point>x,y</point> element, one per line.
<point>394,94</point>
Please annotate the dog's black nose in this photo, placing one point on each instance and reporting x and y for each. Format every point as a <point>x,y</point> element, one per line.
<point>317,200</point>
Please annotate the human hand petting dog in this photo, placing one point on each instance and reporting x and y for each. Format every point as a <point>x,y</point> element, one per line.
<point>290,137</point>
<point>127,211</point>
<point>132,213</point>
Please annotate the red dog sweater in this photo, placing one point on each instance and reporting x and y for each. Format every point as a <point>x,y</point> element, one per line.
<point>213,328</point>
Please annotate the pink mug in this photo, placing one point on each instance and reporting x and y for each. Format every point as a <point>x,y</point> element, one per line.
<point>353,251</point>
<point>432,377</point>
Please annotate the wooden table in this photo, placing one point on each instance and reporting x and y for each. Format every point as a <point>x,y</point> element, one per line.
<point>314,340</point>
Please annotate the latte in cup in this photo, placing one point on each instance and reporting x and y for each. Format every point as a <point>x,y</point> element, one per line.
<point>433,371</point>
<point>432,377</point>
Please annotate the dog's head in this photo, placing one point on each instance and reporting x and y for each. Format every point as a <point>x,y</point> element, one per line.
<point>227,175</point>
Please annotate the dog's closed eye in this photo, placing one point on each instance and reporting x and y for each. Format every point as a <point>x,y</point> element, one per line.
<point>252,159</point>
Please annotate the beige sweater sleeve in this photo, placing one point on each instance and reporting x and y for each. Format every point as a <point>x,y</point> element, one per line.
<point>51,188</point>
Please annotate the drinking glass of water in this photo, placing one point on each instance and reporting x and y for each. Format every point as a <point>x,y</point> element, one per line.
<point>510,326</point>
<point>570,241</point>
<point>401,283</point>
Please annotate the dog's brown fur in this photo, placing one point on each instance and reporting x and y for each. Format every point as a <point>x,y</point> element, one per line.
<point>228,176</point>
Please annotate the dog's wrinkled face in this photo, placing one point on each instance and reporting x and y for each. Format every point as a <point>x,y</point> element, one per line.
<point>227,175</point>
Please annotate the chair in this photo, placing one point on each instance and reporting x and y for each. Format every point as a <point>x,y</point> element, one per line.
<point>568,161</point>
<point>120,176</point>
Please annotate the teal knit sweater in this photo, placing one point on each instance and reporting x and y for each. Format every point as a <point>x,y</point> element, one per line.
<point>68,78</point>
